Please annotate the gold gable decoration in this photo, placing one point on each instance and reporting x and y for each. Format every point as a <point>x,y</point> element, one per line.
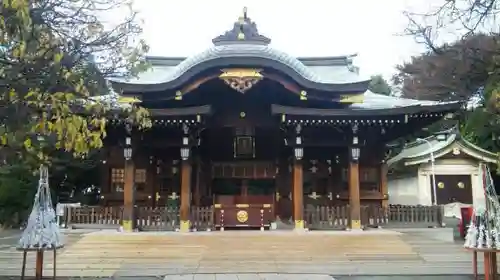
<point>352,98</point>
<point>128,100</point>
<point>241,80</point>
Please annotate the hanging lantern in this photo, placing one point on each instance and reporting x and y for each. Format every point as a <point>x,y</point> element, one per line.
<point>185,148</point>
<point>298,150</point>
<point>299,153</point>
<point>127,150</point>
<point>241,80</point>
<point>355,153</point>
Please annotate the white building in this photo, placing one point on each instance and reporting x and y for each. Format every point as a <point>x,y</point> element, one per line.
<point>456,169</point>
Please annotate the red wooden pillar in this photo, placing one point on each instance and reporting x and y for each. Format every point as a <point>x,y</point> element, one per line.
<point>354,196</point>
<point>383,185</point>
<point>185,195</point>
<point>197,191</point>
<point>298,193</point>
<point>128,196</point>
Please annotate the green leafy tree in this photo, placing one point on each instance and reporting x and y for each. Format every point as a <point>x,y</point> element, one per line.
<point>455,71</point>
<point>379,85</point>
<point>463,68</point>
<point>55,59</point>
<point>57,55</point>
<point>17,189</point>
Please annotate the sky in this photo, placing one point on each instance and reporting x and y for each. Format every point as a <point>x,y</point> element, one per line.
<point>309,28</point>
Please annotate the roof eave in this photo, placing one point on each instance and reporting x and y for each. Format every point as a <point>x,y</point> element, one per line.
<point>448,107</point>
<point>470,151</point>
<point>344,88</point>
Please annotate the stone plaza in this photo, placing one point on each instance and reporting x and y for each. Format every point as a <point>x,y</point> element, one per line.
<point>251,255</point>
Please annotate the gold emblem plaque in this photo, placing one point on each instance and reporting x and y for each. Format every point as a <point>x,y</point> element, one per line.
<point>242,216</point>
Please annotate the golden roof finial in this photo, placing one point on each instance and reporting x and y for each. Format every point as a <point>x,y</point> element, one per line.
<point>243,16</point>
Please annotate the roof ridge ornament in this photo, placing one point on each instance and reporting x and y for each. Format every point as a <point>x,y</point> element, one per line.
<point>244,31</point>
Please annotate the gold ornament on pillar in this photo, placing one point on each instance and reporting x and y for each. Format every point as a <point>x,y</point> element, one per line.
<point>241,80</point>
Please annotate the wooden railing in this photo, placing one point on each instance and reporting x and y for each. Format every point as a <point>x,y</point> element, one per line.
<point>326,217</point>
<point>416,215</point>
<point>93,215</point>
<point>202,218</point>
<point>337,217</point>
<point>147,218</point>
<point>157,218</point>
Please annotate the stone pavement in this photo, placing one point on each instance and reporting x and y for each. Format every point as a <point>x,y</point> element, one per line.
<point>275,254</point>
<point>11,259</point>
<point>259,276</point>
<point>306,277</point>
<point>252,276</point>
<point>9,238</point>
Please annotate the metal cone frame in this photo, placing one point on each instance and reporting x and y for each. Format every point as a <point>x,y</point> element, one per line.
<point>42,231</point>
<point>484,228</point>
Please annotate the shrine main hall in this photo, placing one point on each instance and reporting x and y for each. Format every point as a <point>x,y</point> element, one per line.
<point>256,134</point>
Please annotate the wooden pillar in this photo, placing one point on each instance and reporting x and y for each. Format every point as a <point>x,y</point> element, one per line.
<point>329,188</point>
<point>209,177</point>
<point>151,181</point>
<point>105,184</point>
<point>105,173</point>
<point>298,194</point>
<point>197,191</point>
<point>128,196</point>
<point>383,185</point>
<point>39,265</point>
<point>354,197</point>
<point>185,195</point>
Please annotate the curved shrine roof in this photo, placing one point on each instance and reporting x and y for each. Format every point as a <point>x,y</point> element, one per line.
<point>328,73</point>
<point>244,46</point>
<point>419,152</point>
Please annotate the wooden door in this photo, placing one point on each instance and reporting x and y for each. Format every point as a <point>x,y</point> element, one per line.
<point>453,188</point>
